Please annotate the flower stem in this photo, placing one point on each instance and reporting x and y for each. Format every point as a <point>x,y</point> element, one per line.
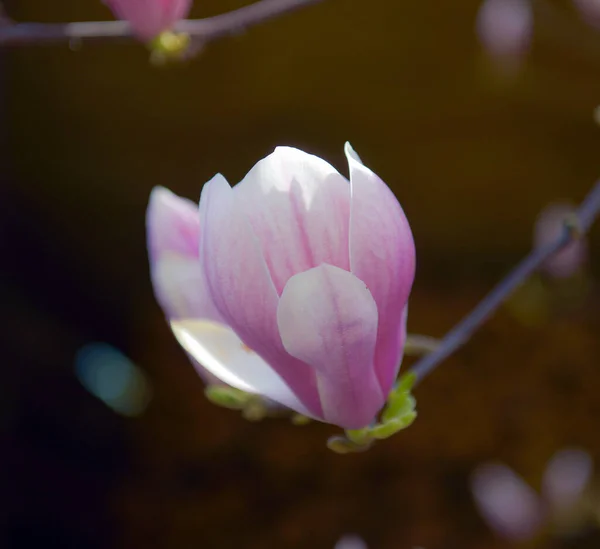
<point>207,29</point>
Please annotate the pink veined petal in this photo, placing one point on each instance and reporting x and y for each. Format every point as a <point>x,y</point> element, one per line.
<point>382,255</point>
<point>508,504</point>
<point>566,477</point>
<point>241,287</point>
<point>174,10</point>
<point>173,232</point>
<point>148,18</point>
<point>328,319</point>
<point>172,224</point>
<point>299,208</point>
<point>224,355</point>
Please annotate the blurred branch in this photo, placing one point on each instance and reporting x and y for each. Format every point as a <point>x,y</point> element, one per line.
<point>207,29</point>
<point>584,218</point>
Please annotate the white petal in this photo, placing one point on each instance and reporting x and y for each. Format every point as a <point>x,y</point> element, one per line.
<point>223,354</point>
<point>181,289</point>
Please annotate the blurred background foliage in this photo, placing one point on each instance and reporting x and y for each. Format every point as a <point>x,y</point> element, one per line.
<point>473,157</point>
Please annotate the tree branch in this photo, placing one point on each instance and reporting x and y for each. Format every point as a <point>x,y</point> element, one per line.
<point>210,28</point>
<point>460,334</point>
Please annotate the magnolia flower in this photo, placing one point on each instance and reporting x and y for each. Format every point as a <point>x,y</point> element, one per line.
<point>514,510</point>
<point>299,290</point>
<point>148,18</point>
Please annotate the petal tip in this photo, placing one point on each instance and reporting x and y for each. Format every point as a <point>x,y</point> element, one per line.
<point>351,154</point>
<point>158,196</point>
<point>171,224</point>
<point>286,153</point>
<point>163,199</point>
<point>218,179</point>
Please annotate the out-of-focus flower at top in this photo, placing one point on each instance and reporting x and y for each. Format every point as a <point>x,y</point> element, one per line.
<point>149,18</point>
<point>589,11</point>
<point>505,28</point>
<point>309,275</point>
<point>563,283</point>
<point>516,512</point>
<point>548,227</point>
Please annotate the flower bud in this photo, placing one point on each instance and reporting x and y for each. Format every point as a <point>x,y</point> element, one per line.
<point>149,18</point>
<point>308,277</point>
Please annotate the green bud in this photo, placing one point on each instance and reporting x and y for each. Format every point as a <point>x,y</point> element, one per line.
<point>399,407</point>
<point>168,46</point>
<point>406,382</point>
<point>359,436</point>
<point>391,427</point>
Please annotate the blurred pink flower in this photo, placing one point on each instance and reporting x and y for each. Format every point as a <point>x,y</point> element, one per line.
<point>148,18</point>
<point>505,28</point>
<point>548,227</point>
<point>514,510</point>
<point>350,541</point>
<point>305,278</point>
<point>589,11</point>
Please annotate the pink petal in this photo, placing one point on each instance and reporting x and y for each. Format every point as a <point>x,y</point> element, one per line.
<point>172,224</point>
<point>241,287</point>
<point>566,477</point>
<point>328,319</point>
<point>148,18</point>
<point>507,503</point>
<point>173,232</point>
<point>382,255</point>
<point>224,355</point>
<point>299,208</point>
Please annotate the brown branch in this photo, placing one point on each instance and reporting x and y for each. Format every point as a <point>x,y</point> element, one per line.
<point>460,334</point>
<point>210,28</point>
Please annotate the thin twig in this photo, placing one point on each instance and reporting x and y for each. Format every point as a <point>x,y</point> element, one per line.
<point>460,334</point>
<point>210,28</point>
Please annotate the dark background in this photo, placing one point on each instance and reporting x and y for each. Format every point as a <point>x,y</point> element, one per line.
<point>471,156</point>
